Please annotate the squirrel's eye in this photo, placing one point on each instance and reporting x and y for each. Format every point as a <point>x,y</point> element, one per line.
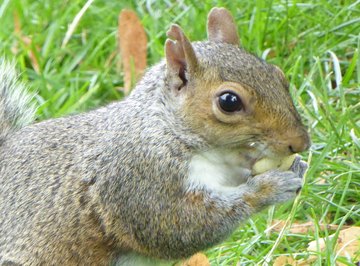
<point>230,102</point>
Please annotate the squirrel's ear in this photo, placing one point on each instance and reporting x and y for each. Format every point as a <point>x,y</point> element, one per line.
<point>221,27</point>
<point>181,60</point>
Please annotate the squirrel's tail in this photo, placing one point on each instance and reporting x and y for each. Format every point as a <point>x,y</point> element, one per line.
<point>16,109</point>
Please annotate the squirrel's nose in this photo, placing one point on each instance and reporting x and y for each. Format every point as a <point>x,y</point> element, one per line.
<point>299,143</point>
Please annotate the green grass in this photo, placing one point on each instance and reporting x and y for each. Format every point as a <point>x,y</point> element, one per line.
<point>315,42</point>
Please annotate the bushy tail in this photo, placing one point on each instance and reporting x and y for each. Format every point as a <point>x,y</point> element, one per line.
<point>16,109</point>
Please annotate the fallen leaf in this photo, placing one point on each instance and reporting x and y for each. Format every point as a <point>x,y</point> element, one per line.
<point>132,47</point>
<point>284,260</point>
<point>288,260</point>
<point>313,247</point>
<point>320,181</point>
<point>199,259</point>
<point>348,244</point>
<point>302,228</point>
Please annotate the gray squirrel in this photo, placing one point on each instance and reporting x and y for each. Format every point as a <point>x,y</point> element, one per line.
<point>158,176</point>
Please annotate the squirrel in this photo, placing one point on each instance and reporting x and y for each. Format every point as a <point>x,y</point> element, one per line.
<point>158,176</point>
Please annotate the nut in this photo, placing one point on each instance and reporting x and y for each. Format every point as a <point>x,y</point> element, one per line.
<point>267,164</point>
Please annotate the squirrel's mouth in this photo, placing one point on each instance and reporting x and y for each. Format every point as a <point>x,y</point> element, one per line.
<point>259,158</point>
<point>256,151</point>
<point>253,152</point>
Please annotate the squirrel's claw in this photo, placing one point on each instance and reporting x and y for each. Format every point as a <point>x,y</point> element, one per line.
<point>299,167</point>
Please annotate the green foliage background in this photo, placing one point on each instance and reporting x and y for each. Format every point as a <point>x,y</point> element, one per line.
<point>316,43</point>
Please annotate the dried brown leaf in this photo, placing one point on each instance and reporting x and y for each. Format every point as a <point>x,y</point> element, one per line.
<point>348,243</point>
<point>132,47</point>
<point>302,228</point>
<point>288,260</point>
<point>199,259</point>
<point>284,260</point>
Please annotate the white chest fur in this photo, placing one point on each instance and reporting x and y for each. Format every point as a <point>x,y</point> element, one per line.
<point>217,170</point>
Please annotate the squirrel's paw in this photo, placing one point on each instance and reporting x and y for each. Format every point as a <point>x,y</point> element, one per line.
<point>274,186</point>
<point>299,167</point>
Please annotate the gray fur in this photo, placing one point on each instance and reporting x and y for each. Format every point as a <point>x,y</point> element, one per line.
<point>85,189</point>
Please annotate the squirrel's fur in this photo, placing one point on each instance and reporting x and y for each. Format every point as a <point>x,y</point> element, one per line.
<point>90,188</point>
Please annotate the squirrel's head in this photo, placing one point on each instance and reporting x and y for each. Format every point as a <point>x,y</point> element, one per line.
<point>230,97</point>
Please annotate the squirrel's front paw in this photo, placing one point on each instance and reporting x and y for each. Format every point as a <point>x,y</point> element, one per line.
<point>273,187</point>
<point>299,167</point>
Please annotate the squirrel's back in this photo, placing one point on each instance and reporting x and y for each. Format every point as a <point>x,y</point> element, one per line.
<point>16,110</point>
